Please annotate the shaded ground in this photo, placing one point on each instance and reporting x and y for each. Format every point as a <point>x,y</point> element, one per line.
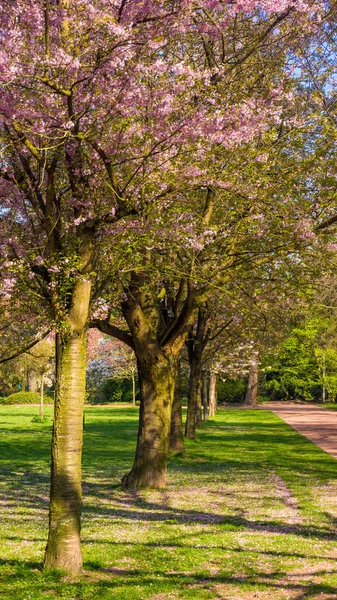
<point>250,513</point>
<point>317,424</point>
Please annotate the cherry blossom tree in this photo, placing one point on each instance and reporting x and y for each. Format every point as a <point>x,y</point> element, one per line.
<point>106,108</point>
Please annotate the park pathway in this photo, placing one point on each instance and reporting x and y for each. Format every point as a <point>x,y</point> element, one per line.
<point>317,424</point>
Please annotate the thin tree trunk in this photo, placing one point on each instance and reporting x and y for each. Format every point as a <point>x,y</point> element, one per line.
<point>133,390</point>
<point>157,375</point>
<point>195,345</point>
<point>41,396</point>
<point>212,395</point>
<point>176,433</point>
<point>204,395</point>
<point>194,418</point>
<point>251,394</point>
<point>63,547</point>
<point>198,422</point>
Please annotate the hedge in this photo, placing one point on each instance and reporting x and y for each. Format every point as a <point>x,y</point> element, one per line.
<point>25,398</point>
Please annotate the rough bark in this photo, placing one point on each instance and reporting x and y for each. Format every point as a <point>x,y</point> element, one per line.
<point>157,376</point>
<point>204,395</point>
<point>157,333</point>
<point>176,432</point>
<point>212,395</point>
<point>251,394</point>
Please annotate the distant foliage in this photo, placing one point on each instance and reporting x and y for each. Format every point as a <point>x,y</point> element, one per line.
<point>25,398</point>
<point>231,391</point>
<point>113,390</point>
<point>296,372</point>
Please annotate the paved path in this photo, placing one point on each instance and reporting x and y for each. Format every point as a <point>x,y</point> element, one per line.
<point>317,424</point>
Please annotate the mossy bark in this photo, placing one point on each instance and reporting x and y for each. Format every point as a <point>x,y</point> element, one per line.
<point>176,432</point>
<point>157,383</point>
<point>63,547</point>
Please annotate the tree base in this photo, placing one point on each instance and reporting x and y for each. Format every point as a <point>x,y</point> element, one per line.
<point>144,479</point>
<point>176,449</point>
<point>71,565</point>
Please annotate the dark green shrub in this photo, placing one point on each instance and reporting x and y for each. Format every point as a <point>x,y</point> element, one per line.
<point>114,390</point>
<point>22,398</point>
<point>231,391</point>
<point>38,419</point>
<point>25,398</point>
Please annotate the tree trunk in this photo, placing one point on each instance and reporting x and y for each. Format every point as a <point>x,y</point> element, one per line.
<point>176,433</point>
<point>63,547</point>
<point>251,394</point>
<point>212,395</point>
<point>194,418</point>
<point>157,375</point>
<point>198,422</point>
<point>41,396</point>
<point>31,381</point>
<point>133,390</point>
<point>204,395</point>
<point>195,345</point>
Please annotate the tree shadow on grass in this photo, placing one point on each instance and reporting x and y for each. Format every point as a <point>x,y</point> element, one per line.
<point>103,582</point>
<point>110,439</point>
<point>153,512</point>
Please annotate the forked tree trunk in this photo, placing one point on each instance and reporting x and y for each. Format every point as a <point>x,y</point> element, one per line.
<point>204,395</point>
<point>63,547</point>
<point>176,433</point>
<point>212,395</point>
<point>157,375</point>
<point>41,396</point>
<point>251,394</point>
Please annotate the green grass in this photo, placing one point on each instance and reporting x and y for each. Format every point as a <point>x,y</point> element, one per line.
<point>250,513</point>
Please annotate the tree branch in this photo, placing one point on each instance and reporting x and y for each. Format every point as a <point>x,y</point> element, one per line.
<point>120,334</point>
<point>24,349</point>
<point>325,224</point>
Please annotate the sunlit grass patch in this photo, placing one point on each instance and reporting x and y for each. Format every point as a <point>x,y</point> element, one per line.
<point>249,513</point>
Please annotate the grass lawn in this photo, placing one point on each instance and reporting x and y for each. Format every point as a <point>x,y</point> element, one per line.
<point>251,513</point>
